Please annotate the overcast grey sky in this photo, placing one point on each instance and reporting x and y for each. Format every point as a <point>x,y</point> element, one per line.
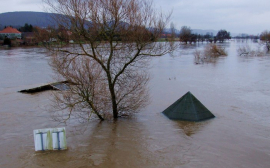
<point>236,16</point>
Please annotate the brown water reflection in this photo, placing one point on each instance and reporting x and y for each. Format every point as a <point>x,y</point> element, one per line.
<point>236,91</point>
<point>190,128</point>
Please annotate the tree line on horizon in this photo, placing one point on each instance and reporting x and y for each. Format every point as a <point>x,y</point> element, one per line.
<point>186,36</point>
<point>26,28</point>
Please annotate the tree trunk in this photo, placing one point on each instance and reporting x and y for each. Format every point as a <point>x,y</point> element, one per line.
<point>100,117</point>
<point>115,110</point>
<point>114,104</point>
<point>113,97</point>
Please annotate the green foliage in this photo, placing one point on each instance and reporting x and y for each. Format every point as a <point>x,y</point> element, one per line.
<point>26,28</point>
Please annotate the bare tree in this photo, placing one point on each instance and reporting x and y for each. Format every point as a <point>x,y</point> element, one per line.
<point>185,34</point>
<point>209,54</point>
<point>223,35</point>
<point>114,39</point>
<point>265,38</point>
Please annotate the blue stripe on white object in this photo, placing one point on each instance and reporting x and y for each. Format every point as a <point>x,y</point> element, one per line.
<point>50,139</point>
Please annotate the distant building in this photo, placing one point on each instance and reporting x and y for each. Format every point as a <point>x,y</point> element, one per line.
<point>28,38</point>
<point>11,33</point>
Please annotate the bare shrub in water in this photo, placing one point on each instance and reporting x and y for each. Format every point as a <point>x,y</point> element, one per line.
<point>213,51</point>
<point>265,39</point>
<point>209,54</point>
<point>244,50</point>
<point>199,57</point>
<point>247,51</point>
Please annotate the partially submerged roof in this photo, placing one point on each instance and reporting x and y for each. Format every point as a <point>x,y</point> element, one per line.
<point>62,86</point>
<point>188,108</point>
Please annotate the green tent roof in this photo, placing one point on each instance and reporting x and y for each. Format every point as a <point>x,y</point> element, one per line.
<point>188,108</point>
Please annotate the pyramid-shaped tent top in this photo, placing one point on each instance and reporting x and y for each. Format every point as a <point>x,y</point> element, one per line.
<point>188,108</point>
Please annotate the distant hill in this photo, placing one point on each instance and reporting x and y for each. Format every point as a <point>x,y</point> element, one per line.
<point>204,32</point>
<point>18,19</point>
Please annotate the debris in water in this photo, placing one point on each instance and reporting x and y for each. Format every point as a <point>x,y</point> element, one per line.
<point>62,86</point>
<point>50,139</point>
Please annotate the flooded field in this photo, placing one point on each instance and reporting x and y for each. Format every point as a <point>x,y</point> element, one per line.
<point>234,88</point>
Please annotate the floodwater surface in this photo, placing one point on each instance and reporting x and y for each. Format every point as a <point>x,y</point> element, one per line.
<point>234,88</point>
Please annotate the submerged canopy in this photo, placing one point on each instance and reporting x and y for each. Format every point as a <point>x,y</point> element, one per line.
<point>188,108</point>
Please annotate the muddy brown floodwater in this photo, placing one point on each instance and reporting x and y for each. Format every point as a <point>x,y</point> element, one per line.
<point>235,89</point>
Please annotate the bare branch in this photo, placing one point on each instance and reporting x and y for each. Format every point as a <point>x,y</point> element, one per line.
<point>113,39</point>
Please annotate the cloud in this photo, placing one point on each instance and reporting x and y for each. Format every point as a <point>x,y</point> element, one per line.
<point>237,16</point>
<point>21,5</point>
<point>247,16</point>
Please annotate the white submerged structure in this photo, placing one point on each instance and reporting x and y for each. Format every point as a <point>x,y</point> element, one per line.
<point>50,139</point>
